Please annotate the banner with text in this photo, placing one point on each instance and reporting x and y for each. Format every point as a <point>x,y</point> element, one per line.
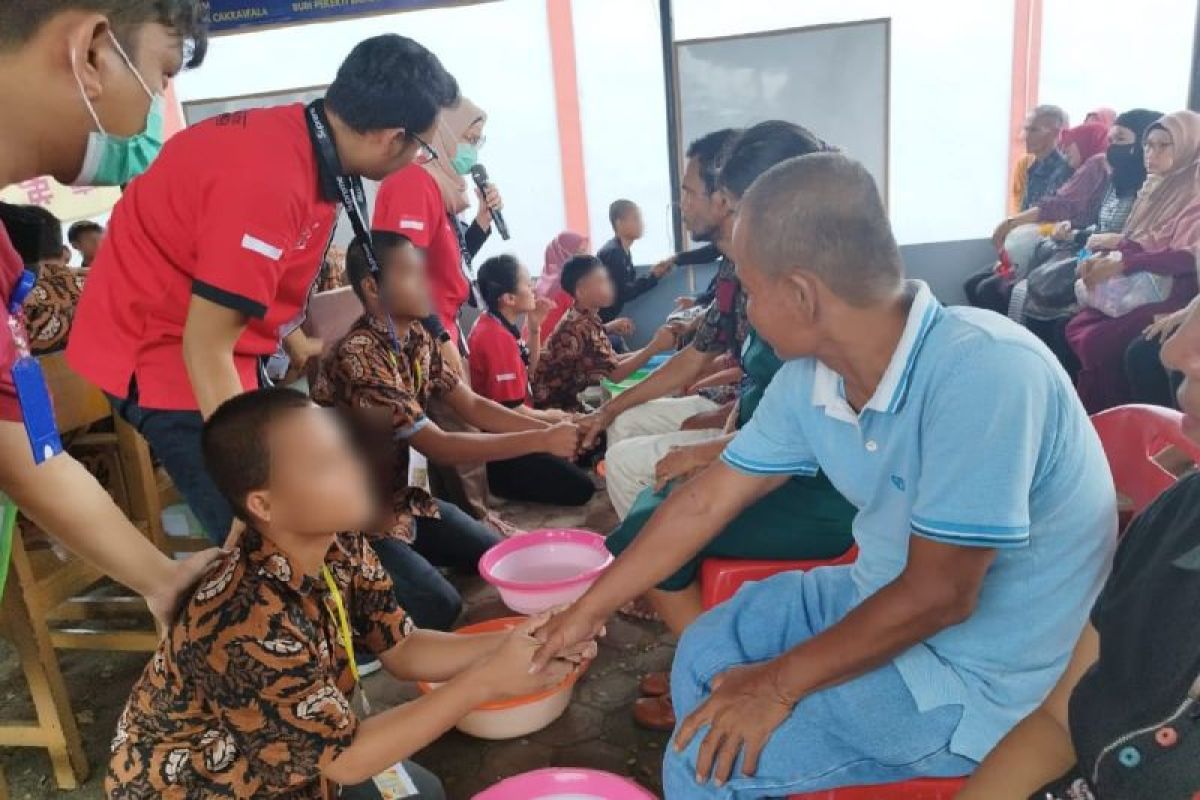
<point>237,15</point>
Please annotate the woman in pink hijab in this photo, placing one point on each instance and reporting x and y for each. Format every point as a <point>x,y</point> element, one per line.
<point>1104,115</point>
<point>562,248</point>
<point>1161,237</point>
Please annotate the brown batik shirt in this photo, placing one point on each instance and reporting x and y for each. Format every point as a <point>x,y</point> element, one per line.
<point>248,694</point>
<point>383,395</point>
<point>50,307</point>
<point>577,355</point>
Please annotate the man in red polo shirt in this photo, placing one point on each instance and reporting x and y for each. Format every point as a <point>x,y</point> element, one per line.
<point>211,255</point>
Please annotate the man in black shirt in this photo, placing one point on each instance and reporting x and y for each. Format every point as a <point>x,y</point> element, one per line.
<point>626,219</point>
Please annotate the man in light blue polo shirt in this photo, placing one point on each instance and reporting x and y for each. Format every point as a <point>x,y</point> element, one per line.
<point>986,522</point>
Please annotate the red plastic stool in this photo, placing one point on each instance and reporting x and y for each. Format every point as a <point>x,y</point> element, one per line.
<point>917,789</point>
<point>721,577</point>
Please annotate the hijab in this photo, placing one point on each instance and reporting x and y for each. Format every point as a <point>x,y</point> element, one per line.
<point>1127,162</point>
<point>452,126</point>
<point>1103,115</point>
<point>1090,139</point>
<point>560,250</point>
<point>1166,213</point>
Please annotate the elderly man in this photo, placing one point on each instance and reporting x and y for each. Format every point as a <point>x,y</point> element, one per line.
<point>986,519</point>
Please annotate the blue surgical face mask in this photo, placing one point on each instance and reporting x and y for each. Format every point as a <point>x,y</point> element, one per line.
<point>465,157</point>
<point>115,160</point>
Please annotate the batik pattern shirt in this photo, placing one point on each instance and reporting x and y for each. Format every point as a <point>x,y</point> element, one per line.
<point>383,395</point>
<point>725,326</point>
<point>248,694</point>
<point>577,355</point>
<point>50,307</point>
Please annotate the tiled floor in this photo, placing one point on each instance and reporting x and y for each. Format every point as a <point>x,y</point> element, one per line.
<point>596,731</point>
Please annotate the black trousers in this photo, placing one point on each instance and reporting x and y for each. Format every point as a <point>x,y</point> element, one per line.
<point>1149,380</point>
<point>541,478</point>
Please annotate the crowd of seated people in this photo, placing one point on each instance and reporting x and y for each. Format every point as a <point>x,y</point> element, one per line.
<point>984,629</point>
<point>1114,264</point>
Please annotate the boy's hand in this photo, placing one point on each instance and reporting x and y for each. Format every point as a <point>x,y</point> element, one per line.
<point>561,439</point>
<point>541,310</point>
<point>508,672</point>
<point>590,428</point>
<point>663,267</point>
<point>622,326</point>
<point>664,339</point>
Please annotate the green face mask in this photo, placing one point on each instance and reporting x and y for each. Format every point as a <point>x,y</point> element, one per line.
<point>115,160</point>
<point>465,157</point>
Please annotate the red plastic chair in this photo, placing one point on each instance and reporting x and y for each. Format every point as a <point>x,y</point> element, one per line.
<point>721,577</point>
<point>1134,439</point>
<point>918,789</point>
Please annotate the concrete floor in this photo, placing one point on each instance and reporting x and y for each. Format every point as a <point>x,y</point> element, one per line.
<point>596,731</point>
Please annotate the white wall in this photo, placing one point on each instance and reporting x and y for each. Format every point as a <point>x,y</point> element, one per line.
<point>622,99</point>
<point>1115,53</point>
<point>950,89</point>
<point>500,54</point>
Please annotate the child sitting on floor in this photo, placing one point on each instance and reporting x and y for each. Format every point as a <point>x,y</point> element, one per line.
<point>249,694</point>
<point>500,363</point>
<point>578,353</point>
<point>381,376</point>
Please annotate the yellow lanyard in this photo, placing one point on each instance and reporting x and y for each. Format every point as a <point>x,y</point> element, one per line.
<point>343,624</point>
<point>416,368</point>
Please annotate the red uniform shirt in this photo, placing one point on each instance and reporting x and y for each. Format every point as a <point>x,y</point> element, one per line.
<point>10,270</point>
<point>231,211</point>
<point>410,203</point>
<point>497,370</point>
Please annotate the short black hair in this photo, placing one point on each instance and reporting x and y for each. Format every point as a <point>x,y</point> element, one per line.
<point>79,229</point>
<point>36,234</point>
<point>235,442</point>
<point>20,20</point>
<point>576,269</point>
<point>496,277</point>
<point>391,81</point>
<point>709,151</point>
<point>358,268</point>
<point>761,147</point>
<point>618,209</point>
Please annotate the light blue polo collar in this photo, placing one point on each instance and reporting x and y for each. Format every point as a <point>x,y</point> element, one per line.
<point>829,388</point>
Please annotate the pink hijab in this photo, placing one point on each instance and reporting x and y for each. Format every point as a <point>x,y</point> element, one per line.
<point>1090,138</point>
<point>558,253</point>
<point>1166,213</point>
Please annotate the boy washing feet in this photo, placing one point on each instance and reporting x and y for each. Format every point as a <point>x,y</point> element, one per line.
<point>249,694</point>
<point>578,354</point>
<point>381,377</point>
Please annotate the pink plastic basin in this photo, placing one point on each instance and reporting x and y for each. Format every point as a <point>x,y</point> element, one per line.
<point>544,569</point>
<point>566,783</point>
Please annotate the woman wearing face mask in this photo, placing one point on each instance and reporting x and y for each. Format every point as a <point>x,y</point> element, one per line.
<point>424,203</point>
<point>106,136</point>
<point>1161,237</point>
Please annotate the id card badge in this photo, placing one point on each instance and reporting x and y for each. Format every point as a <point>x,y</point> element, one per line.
<point>37,412</point>
<point>395,784</point>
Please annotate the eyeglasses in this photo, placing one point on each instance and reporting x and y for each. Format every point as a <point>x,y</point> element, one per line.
<point>426,154</point>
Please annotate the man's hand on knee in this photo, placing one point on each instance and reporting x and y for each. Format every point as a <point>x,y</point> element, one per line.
<point>747,704</point>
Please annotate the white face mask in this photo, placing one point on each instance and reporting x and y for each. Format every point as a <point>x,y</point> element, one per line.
<point>115,160</point>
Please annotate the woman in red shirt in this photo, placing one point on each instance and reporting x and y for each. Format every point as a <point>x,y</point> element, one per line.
<point>500,365</point>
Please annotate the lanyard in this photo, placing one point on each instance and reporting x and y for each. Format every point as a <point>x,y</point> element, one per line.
<point>351,194</point>
<point>16,313</point>
<point>342,622</point>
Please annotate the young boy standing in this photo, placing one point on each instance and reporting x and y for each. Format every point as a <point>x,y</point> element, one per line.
<point>617,255</point>
<point>249,694</point>
<point>578,354</point>
<point>381,376</point>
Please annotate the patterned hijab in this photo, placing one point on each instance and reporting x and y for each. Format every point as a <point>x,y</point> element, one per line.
<point>560,250</point>
<point>1167,211</point>
<point>452,126</point>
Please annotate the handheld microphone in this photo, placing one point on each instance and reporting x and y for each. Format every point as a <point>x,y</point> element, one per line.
<point>479,173</point>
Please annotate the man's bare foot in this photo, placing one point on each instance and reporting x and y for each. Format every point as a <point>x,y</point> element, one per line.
<point>505,529</point>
